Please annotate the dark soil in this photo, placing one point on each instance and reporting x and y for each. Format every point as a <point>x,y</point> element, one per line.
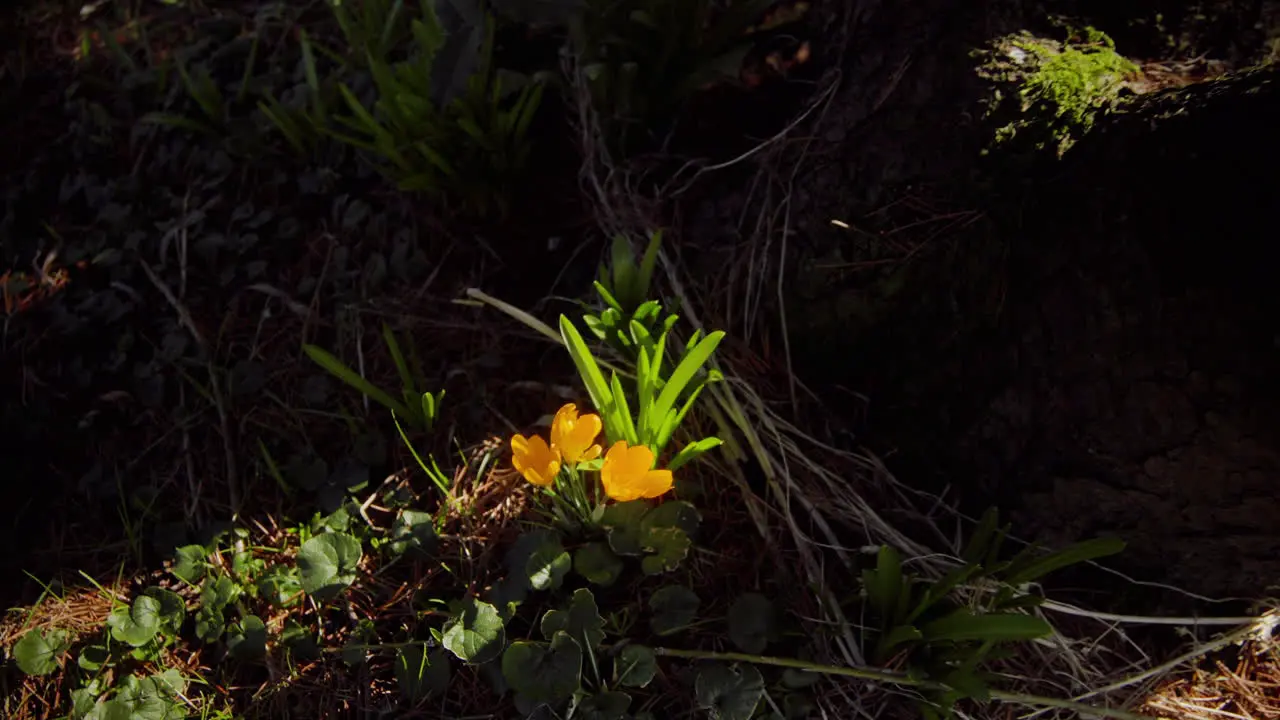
<point>1091,346</point>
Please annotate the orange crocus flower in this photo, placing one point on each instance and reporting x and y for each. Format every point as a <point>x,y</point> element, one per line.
<point>574,436</point>
<point>535,460</point>
<point>627,473</point>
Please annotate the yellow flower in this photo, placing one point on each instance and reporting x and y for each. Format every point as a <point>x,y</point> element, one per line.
<point>575,437</point>
<point>628,474</point>
<point>535,460</point>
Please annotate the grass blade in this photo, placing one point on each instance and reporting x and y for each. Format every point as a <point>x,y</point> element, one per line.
<point>336,368</point>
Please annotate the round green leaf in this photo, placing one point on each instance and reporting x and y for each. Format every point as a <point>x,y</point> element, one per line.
<point>752,623</point>
<point>413,532</point>
<point>547,566</point>
<point>539,559</point>
<point>597,563</point>
<point>475,632</point>
<point>210,624</point>
<point>729,692</point>
<point>328,564</point>
<point>93,657</point>
<point>669,545</point>
<point>217,592</point>
<point>603,706</point>
<point>189,563</point>
<point>247,639</point>
<point>151,698</point>
<point>172,608</point>
<point>507,594</point>
<point>674,607</point>
<point>634,666</point>
<point>137,624</point>
<point>543,672</point>
<point>581,621</point>
<point>672,514</point>
<point>622,520</point>
<point>37,652</point>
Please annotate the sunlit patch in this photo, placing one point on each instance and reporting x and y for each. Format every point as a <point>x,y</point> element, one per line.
<point>23,290</point>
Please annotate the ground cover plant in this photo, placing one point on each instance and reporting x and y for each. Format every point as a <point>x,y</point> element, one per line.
<point>305,425</point>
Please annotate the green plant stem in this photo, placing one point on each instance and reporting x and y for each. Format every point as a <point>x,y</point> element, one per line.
<point>886,676</point>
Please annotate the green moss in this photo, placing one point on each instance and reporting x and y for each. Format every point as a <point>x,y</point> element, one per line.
<point>1046,93</point>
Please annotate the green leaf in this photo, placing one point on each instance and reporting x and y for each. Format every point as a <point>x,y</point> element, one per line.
<point>684,373</point>
<point>938,590</point>
<point>976,550</point>
<point>623,423</point>
<point>623,522</point>
<point>189,563</point>
<point>670,546</point>
<point>523,549</point>
<point>672,514</point>
<point>218,591</point>
<point>83,701</point>
<point>475,633</point>
<point>152,698</point>
<point>1078,553</point>
<point>896,637</point>
<point>594,380</point>
<point>634,666</point>
<point>544,672</point>
<point>328,564</point>
<point>339,370</point>
<point>281,586</point>
<point>421,674</point>
<point>137,624</point>
<point>597,563</point>
<point>548,564</point>
<point>729,692</point>
<point>963,625</point>
<point>884,584</point>
<point>38,652</point>
<point>508,594</point>
<point>603,706</point>
<point>413,532</point>
<point>172,608</point>
<point>247,639</point>
<point>674,608</point>
<point>93,657</point>
<point>692,451</point>
<point>210,624</point>
<point>752,623</point>
<point>580,621</point>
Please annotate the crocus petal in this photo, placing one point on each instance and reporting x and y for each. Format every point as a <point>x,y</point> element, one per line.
<point>655,483</point>
<point>534,459</point>
<point>627,475</point>
<point>575,436</point>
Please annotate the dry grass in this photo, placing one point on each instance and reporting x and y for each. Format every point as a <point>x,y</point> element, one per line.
<point>1247,689</point>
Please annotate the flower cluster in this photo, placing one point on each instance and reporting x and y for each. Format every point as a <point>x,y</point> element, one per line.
<point>627,472</point>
